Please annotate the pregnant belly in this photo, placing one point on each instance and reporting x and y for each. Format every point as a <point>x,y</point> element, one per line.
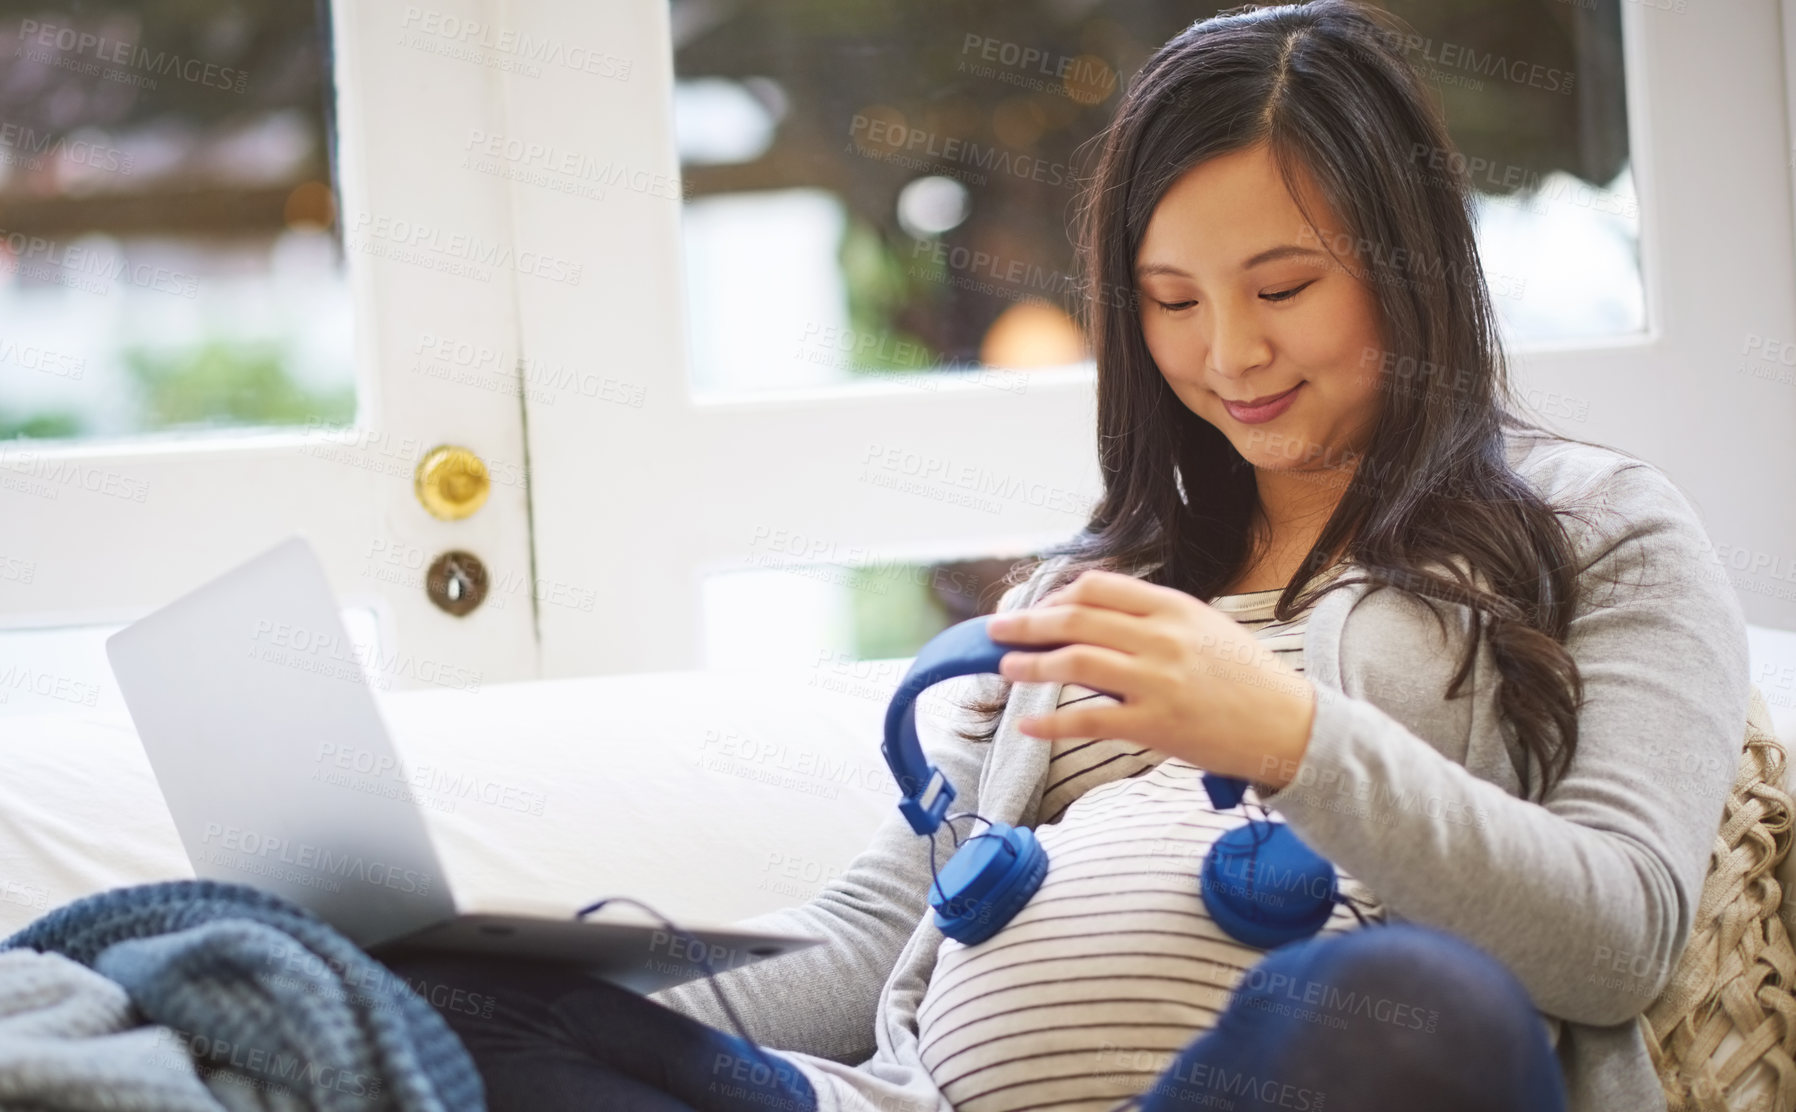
<point>1113,967</point>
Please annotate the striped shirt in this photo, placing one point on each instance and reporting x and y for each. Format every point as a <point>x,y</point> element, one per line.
<point>1088,995</point>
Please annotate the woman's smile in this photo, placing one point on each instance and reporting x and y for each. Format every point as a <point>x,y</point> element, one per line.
<point>1262,409</point>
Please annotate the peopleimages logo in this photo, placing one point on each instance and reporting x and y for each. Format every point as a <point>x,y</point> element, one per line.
<point>325,653</point>
<point>881,134</point>
<point>49,685</point>
<point>530,52</point>
<point>470,254</point>
<point>34,146</point>
<point>92,269</point>
<point>1081,77</point>
<point>253,849</point>
<point>124,53</point>
<point>261,1067</point>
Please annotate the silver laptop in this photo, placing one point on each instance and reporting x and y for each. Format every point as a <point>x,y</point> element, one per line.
<point>238,687</point>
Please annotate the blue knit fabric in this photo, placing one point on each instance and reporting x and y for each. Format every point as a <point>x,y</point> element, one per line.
<point>262,989</point>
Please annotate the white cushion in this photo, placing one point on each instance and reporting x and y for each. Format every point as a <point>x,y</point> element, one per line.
<point>711,797</point>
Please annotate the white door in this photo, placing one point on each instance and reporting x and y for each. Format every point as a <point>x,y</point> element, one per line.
<point>1680,271</point>
<point>515,214</point>
<point>417,311</point>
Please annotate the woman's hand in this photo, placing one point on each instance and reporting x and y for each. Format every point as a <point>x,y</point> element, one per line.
<point>1191,682</point>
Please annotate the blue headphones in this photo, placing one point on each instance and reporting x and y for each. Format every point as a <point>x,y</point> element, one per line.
<point>1262,885</point>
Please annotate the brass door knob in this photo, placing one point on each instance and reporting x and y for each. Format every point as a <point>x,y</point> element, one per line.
<point>451,482</point>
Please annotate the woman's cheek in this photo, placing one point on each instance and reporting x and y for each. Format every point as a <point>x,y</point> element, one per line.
<point>1176,360</point>
<point>1150,334</point>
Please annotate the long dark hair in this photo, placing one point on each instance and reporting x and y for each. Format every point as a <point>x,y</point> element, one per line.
<point>1433,507</point>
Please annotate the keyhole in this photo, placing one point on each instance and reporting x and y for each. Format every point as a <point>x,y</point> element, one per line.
<point>456,582</point>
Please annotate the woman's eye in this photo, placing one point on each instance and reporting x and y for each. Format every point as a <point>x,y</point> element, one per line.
<point>1286,295</point>
<point>1175,306</point>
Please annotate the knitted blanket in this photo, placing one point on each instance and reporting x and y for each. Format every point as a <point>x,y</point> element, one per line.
<point>276,1008</point>
<point>68,1039</point>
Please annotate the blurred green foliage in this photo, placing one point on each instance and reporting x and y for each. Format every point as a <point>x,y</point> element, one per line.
<point>40,426</point>
<point>216,384</point>
<point>878,289</point>
<point>893,609</point>
<point>223,383</point>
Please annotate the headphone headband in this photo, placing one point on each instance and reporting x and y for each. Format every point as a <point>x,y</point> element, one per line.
<point>960,650</point>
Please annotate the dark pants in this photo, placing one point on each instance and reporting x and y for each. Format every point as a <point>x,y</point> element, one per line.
<point>1390,1017</point>
<point>1374,1020</point>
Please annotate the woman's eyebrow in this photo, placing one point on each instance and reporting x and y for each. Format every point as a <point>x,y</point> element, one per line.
<point>1271,254</point>
<point>1284,251</point>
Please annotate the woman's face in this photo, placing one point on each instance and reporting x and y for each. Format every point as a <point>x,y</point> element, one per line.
<point>1241,301</point>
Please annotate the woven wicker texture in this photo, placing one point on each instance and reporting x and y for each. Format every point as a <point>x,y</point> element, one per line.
<point>1722,1034</point>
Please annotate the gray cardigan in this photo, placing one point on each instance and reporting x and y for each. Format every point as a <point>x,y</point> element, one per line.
<point>1587,897</point>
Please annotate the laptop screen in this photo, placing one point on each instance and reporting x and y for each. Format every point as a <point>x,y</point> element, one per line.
<point>255,714</point>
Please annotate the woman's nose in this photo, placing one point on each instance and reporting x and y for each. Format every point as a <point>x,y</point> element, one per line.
<point>1237,345</point>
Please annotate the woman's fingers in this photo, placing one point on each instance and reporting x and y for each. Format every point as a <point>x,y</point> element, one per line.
<point>1092,666</point>
<point>1052,625</point>
<point>1114,591</point>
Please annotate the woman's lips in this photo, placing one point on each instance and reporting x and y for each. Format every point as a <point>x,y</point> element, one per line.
<point>1265,409</point>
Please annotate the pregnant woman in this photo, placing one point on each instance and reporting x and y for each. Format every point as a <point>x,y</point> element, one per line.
<point>1470,662</point>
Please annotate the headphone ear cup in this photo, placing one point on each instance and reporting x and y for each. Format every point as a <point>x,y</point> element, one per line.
<point>987,881</point>
<point>1265,888</point>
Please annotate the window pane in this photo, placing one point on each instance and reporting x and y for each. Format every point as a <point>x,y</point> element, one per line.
<point>788,612</point>
<point>170,257</point>
<point>876,188</point>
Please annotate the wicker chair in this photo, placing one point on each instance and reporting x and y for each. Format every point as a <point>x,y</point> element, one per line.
<point>1723,1032</point>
